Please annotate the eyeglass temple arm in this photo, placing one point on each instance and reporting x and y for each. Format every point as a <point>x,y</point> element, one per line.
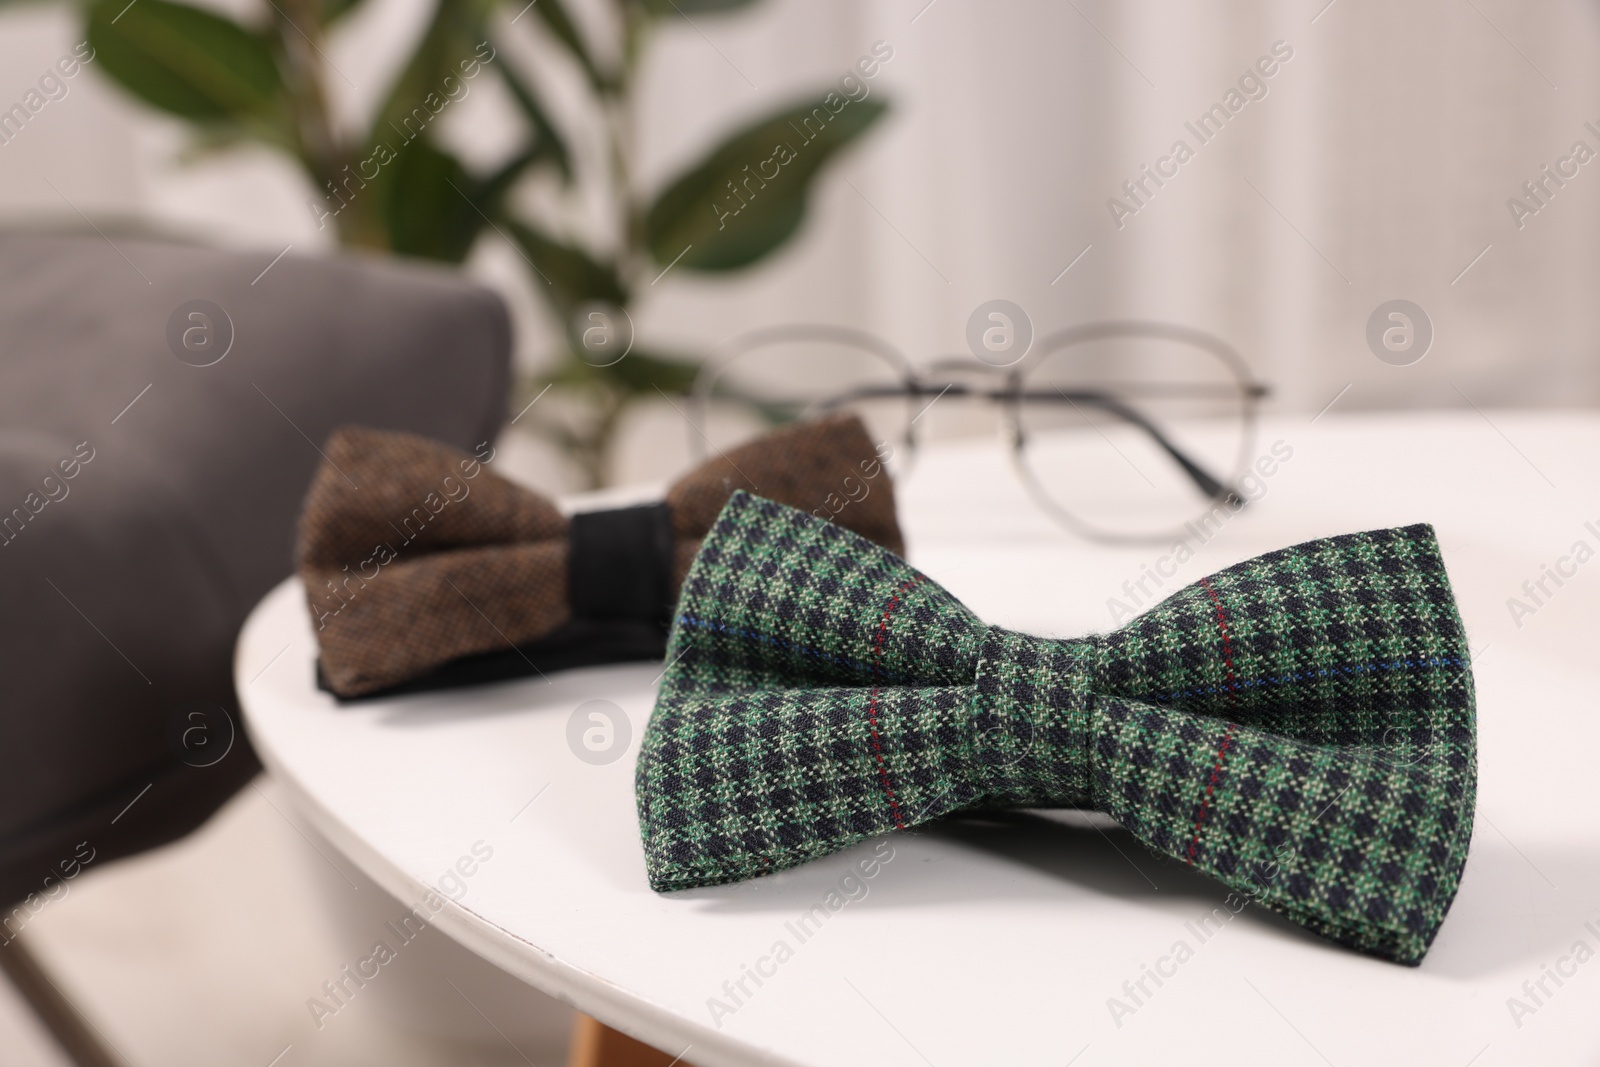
<point>1203,479</point>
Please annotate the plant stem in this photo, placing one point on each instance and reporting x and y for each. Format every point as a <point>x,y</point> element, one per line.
<point>322,151</point>
<point>618,106</point>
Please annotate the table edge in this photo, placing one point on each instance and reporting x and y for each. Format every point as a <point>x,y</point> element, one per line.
<point>581,989</point>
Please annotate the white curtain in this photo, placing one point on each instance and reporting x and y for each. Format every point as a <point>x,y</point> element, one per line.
<point>1375,163</point>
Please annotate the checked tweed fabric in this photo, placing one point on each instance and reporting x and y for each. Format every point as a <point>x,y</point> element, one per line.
<point>1299,726</point>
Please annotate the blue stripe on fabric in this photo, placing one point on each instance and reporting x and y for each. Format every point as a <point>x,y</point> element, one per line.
<point>789,646</point>
<point>1326,672</point>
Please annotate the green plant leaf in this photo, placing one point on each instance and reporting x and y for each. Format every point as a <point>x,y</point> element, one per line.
<point>567,276</point>
<point>334,10</point>
<point>645,372</point>
<point>550,142</point>
<point>553,13</point>
<point>492,190</point>
<point>455,42</point>
<point>186,61</point>
<point>433,207</point>
<point>639,373</point>
<point>691,7</point>
<point>771,163</point>
<point>410,193</point>
<point>430,205</point>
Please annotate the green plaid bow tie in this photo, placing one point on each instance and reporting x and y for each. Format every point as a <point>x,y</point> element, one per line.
<point>1299,726</point>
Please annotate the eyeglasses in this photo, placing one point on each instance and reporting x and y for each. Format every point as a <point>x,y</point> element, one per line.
<point>1120,431</point>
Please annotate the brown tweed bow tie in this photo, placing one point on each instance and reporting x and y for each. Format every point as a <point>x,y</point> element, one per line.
<point>423,568</point>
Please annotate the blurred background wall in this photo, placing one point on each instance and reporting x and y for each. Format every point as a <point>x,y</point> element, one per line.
<point>1378,164</point>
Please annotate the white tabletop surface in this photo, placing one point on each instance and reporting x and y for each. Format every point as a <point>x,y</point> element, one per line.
<point>1003,944</point>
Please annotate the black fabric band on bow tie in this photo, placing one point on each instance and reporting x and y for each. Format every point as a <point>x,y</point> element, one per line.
<point>619,565</point>
<point>619,575</point>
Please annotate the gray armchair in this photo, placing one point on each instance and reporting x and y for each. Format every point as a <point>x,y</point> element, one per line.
<point>153,454</point>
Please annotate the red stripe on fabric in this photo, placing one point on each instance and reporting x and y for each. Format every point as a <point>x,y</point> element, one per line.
<point>883,623</point>
<point>1233,697</point>
<point>1205,802</point>
<point>1227,645</point>
<point>872,704</point>
<point>883,768</point>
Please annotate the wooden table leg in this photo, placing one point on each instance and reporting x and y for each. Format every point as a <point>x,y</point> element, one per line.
<point>594,1044</point>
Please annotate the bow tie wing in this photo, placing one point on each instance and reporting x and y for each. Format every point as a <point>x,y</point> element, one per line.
<point>735,785</point>
<point>779,597</point>
<point>817,694</point>
<point>1301,726</point>
<point>380,486</point>
<point>827,466</point>
<point>402,543</point>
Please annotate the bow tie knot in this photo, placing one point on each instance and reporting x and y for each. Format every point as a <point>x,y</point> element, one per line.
<point>1032,713</point>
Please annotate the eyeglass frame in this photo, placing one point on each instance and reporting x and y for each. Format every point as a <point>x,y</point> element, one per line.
<point>1009,398</point>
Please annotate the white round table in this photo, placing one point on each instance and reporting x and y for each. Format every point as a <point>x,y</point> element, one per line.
<point>1006,943</point>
